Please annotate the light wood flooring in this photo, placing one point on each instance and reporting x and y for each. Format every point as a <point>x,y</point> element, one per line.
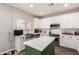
<point>59,51</point>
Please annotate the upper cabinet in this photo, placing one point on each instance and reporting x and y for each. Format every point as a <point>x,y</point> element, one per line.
<point>41,23</point>
<point>22,20</point>
<point>70,20</point>
<point>55,20</point>
<point>18,19</point>
<point>75,20</point>
<point>36,23</point>
<point>29,23</point>
<point>65,21</point>
<point>45,23</point>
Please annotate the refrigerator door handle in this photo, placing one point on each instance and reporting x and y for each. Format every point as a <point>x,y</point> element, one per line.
<point>8,35</point>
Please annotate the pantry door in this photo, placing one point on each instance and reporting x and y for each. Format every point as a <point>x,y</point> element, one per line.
<point>5,28</point>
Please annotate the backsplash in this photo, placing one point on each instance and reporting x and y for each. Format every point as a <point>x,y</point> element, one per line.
<point>42,31</point>
<point>70,31</point>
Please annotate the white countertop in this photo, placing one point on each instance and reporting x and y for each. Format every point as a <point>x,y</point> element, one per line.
<point>39,43</point>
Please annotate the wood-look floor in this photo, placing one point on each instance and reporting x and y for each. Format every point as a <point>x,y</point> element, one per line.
<point>59,51</point>
<point>65,51</point>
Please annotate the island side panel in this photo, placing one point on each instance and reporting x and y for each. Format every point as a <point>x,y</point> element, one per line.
<point>49,50</point>
<point>31,51</point>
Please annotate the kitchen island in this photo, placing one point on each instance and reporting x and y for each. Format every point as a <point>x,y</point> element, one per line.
<point>40,46</point>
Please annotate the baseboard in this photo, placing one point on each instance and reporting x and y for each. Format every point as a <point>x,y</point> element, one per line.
<point>7,51</point>
<point>68,48</point>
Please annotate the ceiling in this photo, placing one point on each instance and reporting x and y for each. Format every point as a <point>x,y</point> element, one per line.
<point>43,9</point>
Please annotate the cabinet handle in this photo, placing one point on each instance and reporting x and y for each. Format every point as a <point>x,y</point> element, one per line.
<point>9,35</point>
<point>22,37</point>
<point>70,37</point>
<point>62,36</point>
<point>77,38</point>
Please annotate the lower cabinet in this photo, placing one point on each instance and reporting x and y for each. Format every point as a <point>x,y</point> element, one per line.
<point>63,41</point>
<point>76,44</point>
<point>69,41</point>
<point>19,46</point>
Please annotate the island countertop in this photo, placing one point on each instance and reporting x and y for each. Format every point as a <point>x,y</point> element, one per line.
<point>39,43</point>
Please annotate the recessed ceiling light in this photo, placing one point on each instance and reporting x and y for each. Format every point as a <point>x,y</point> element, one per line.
<point>31,5</point>
<point>41,12</point>
<point>66,5</point>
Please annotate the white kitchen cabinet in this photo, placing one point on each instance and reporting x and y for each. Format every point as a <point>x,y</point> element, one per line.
<point>70,20</point>
<point>41,23</point>
<point>66,21</point>
<point>36,23</point>
<point>45,23</point>
<point>55,20</point>
<point>67,41</point>
<point>70,41</point>
<point>26,20</point>
<point>18,19</point>
<point>75,20</point>
<point>76,43</point>
<point>62,41</point>
<point>29,22</point>
<point>19,46</point>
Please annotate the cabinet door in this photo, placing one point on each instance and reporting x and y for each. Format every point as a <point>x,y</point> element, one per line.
<point>70,20</point>
<point>18,19</point>
<point>66,21</point>
<point>76,43</point>
<point>36,23</point>
<point>19,46</point>
<point>63,41</point>
<point>70,42</point>
<point>75,20</point>
<point>44,23</point>
<point>67,41</point>
<point>54,20</point>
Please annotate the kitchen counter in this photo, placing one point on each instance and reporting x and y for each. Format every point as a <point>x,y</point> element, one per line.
<point>71,35</point>
<point>31,35</point>
<point>40,44</point>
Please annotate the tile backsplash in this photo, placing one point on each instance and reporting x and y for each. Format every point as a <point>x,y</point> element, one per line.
<point>70,30</point>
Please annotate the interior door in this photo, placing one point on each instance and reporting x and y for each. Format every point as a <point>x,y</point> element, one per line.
<point>5,27</point>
